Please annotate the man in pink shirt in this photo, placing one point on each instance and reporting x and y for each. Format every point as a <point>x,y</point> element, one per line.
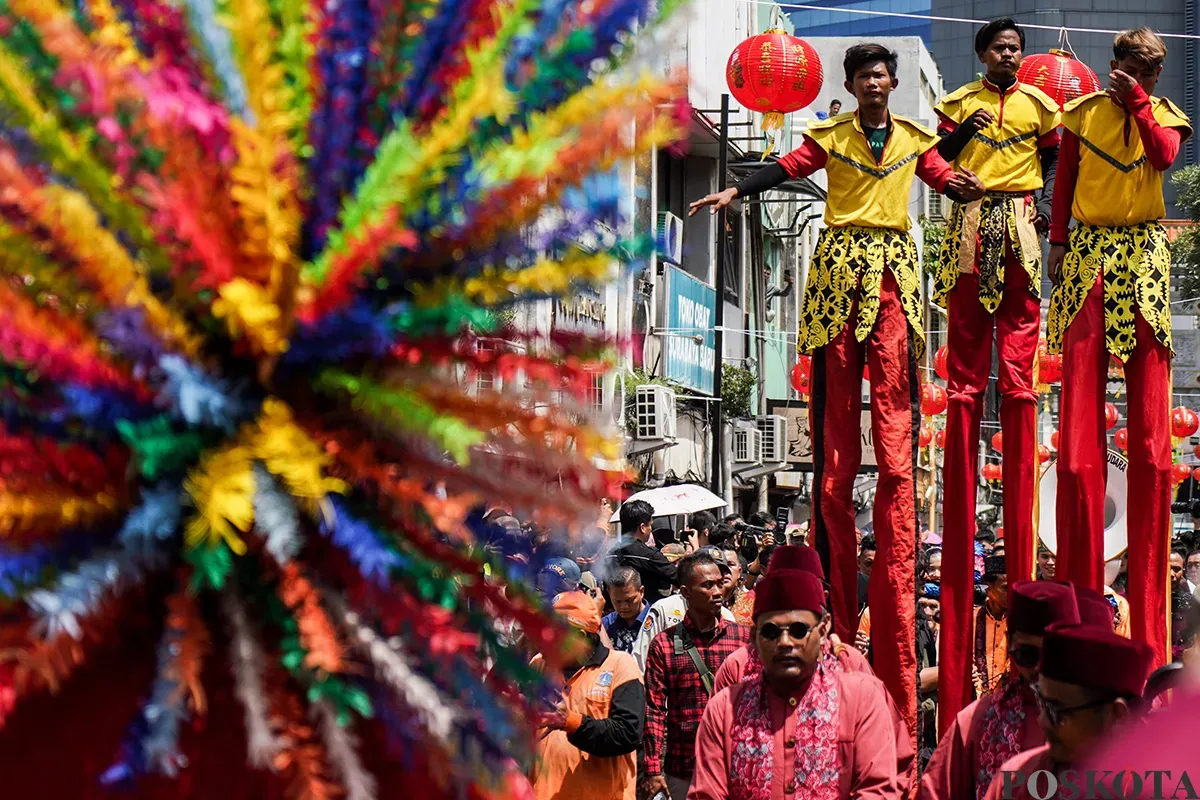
<point>997,726</point>
<point>800,728</point>
<point>1091,684</point>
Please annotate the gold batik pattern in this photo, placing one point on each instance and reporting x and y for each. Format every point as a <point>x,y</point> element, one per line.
<point>849,264</point>
<point>997,222</point>
<point>1136,263</point>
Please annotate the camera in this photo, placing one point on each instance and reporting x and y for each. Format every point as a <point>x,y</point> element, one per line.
<point>751,530</point>
<point>1187,507</point>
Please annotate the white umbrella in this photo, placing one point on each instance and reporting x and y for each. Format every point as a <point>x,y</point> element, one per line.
<point>687,498</point>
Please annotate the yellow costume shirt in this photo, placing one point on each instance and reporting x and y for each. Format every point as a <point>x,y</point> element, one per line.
<point>1112,162</point>
<point>1005,154</point>
<point>866,212</point>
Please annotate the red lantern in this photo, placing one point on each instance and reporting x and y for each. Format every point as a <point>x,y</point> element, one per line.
<point>1196,474</point>
<point>1196,451</point>
<point>801,373</point>
<point>939,438</point>
<point>1121,438</point>
<point>1184,422</point>
<point>1180,473</point>
<point>775,74</point>
<point>1110,416</point>
<point>933,399</point>
<point>998,442</point>
<point>991,472</point>
<point>924,436</point>
<point>1058,74</point>
<point>1054,440</point>
<point>939,363</point>
<point>1043,453</point>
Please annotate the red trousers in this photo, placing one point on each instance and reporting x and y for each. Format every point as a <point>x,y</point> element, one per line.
<point>1083,467</point>
<point>837,456</point>
<point>1016,322</point>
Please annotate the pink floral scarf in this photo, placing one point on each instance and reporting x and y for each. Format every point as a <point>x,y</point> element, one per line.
<point>1003,725</point>
<point>753,757</point>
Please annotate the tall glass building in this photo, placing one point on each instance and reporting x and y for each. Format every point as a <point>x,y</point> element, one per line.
<point>839,23</point>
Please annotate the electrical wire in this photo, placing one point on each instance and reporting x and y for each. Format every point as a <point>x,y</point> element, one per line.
<point>935,18</point>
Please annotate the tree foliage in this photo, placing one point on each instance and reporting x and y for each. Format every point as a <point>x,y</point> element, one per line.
<point>1185,250</point>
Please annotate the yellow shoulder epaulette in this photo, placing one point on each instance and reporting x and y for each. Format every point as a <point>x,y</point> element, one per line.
<point>965,90</point>
<point>912,123</point>
<point>1043,98</point>
<point>1078,102</point>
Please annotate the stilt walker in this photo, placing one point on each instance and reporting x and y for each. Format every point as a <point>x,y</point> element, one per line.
<point>989,276</point>
<point>862,305</point>
<point>1111,297</point>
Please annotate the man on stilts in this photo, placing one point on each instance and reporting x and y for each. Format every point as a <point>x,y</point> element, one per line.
<point>862,304</point>
<point>1111,296</point>
<point>989,276</point>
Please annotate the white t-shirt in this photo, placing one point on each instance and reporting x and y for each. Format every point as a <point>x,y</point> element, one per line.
<point>662,615</point>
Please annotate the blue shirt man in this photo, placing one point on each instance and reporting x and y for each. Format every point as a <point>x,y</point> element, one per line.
<point>628,599</point>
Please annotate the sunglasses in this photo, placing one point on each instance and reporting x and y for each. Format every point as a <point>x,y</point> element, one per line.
<point>797,630</point>
<point>1056,713</point>
<point>1025,655</point>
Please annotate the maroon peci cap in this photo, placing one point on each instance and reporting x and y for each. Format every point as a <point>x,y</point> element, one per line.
<point>789,590</point>
<point>1094,608</point>
<point>1034,605</point>
<point>796,556</point>
<point>1095,658</point>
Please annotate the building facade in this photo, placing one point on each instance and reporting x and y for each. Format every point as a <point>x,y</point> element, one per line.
<point>831,21</point>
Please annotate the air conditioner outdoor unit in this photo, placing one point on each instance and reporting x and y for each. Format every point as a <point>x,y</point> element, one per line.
<point>773,430</point>
<point>655,409</point>
<point>747,445</point>
<point>669,238</point>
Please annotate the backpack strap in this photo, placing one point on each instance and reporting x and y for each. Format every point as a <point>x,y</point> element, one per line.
<point>683,643</point>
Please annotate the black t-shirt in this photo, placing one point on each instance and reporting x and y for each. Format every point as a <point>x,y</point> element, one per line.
<point>657,573</point>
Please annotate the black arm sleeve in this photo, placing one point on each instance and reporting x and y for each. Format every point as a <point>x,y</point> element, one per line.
<point>1049,156</point>
<point>621,733</point>
<point>762,180</point>
<point>953,143</point>
<point>660,565</point>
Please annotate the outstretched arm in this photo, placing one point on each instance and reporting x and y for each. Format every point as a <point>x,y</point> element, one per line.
<point>801,162</point>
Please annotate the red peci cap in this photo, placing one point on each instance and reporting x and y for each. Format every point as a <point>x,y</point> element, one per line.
<point>789,590</point>
<point>796,556</point>
<point>1094,608</point>
<point>1034,605</point>
<point>1095,658</point>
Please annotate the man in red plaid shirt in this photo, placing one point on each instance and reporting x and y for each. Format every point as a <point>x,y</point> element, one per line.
<point>679,676</point>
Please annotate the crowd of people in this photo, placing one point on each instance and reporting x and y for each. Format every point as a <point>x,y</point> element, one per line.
<point>707,645</point>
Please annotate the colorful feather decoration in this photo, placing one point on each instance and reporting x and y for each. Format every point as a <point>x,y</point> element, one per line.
<point>249,251</point>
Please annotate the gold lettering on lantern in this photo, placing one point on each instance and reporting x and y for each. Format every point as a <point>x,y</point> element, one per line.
<point>801,67</point>
<point>765,77</point>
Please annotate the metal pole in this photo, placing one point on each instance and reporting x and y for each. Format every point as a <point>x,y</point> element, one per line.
<point>718,425</point>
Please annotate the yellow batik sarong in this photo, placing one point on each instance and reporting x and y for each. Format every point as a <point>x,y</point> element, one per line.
<point>848,265</point>
<point>996,217</point>
<point>1136,263</point>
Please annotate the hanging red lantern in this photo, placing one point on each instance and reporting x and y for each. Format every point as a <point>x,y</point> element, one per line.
<point>939,363</point>
<point>1121,438</point>
<point>774,73</point>
<point>933,399</point>
<point>1110,416</point>
<point>1043,453</point>
<point>1196,451</point>
<point>1184,422</point>
<point>924,436</point>
<point>939,438</point>
<point>1196,474</point>
<point>801,374</point>
<point>1054,440</point>
<point>1058,74</point>
<point>991,472</point>
<point>1180,473</point>
<point>998,442</point>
